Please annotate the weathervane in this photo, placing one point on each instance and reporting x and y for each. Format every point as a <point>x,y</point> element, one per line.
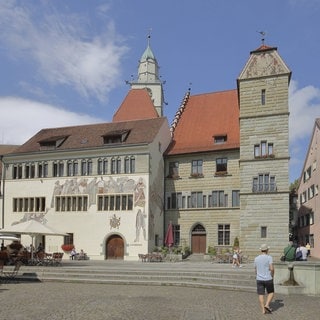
<point>262,33</point>
<point>149,36</point>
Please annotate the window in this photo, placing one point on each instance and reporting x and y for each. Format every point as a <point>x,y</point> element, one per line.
<point>263,97</point>
<point>264,183</point>
<point>307,174</point>
<point>30,170</point>
<point>303,197</point>
<point>52,143</point>
<point>173,169</point>
<point>224,234</point>
<point>196,168</point>
<point>196,200</point>
<point>263,150</point>
<point>311,191</point>
<point>219,139</point>
<point>133,164</point>
<point>123,202</point>
<point>17,171</point>
<point>74,203</point>
<point>129,165</point>
<point>117,136</point>
<point>174,201</point>
<point>176,234</point>
<point>311,240</point>
<point>72,168</point>
<point>218,199</point>
<point>42,169</point>
<point>86,167</point>
<point>37,204</point>
<point>235,198</point>
<point>263,232</point>
<point>115,165</point>
<point>68,239</point>
<point>118,165</point>
<point>222,165</point>
<point>58,169</point>
<point>102,166</point>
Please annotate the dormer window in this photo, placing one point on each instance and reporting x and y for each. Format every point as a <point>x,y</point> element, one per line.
<point>219,139</point>
<point>52,143</point>
<point>117,136</point>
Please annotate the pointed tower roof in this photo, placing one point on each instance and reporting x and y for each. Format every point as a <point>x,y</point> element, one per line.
<point>137,105</point>
<point>148,77</point>
<point>148,54</point>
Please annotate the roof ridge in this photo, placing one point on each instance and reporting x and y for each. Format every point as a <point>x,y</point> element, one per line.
<point>179,112</point>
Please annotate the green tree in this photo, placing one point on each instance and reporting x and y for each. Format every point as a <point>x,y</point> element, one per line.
<point>294,185</point>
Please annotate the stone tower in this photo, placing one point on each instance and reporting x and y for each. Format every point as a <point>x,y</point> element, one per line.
<point>264,151</point>
<point>148,77</point>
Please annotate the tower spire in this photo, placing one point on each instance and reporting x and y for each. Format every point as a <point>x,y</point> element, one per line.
<point>148,77</point>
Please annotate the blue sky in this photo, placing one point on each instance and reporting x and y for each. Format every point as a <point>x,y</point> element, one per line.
<point>65,62</point>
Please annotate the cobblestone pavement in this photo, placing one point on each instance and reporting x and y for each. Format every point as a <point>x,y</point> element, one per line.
<point>61,301</point>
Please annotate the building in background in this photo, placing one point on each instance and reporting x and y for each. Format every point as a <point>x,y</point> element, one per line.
<point>102,184</point>
<point>227,166</point>
<point>220,173</point>
<point>308,199</point>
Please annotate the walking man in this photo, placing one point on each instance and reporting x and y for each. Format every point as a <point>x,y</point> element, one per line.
<point>264,274</point>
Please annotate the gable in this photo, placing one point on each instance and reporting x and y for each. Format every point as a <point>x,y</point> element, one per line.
<point>137,105</point>
<point>263,62</point>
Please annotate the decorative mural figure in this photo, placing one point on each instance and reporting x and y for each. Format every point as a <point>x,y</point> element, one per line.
<point>56,191</point>
<point>111,185</point>
<point>101,186</point>
<point>139,196</point>
<point>92,191</point>
<point>140,225</point>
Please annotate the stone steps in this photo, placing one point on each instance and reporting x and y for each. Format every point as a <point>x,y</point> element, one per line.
<point>205,275</point>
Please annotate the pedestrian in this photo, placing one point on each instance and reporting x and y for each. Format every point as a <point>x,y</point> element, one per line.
<point>301,253</point>
<point>308,248</point>
<point>73,254</point>
<point>290,252</point>
<point>236,258</point>
<point>263,264</point>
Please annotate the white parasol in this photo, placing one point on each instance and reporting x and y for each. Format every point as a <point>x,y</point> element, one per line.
<point>32,228</point>
<point>8,237</point>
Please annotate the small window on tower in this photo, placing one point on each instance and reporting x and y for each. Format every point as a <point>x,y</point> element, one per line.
<point>263,97</point>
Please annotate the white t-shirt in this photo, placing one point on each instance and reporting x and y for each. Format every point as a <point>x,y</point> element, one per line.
<point>262,264</point>
<point>304,252</point>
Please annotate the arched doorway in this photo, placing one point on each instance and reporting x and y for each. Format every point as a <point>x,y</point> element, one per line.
<point>198,239</point>
<point>115,247</point>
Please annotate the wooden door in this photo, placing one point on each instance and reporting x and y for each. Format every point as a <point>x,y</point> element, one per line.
<point>198,243</point>
<point>198,239</point>
<point>115,248</point>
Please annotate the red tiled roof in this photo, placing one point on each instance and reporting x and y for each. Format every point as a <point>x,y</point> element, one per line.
<point>92,136</point>
<point>204,117</point>
<point>264,47</point>
<point>136,105</point>
<point>4,149</point>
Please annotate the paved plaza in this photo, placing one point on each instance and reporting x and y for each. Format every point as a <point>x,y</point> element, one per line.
<point>62,301</point>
